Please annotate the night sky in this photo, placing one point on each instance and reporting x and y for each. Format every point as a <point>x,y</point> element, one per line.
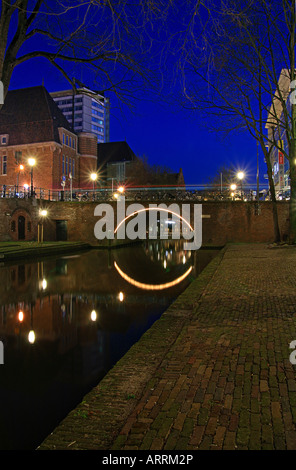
<point>166,134</point>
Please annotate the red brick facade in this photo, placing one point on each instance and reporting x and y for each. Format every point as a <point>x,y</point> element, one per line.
<point>32,126</point>
<point>88,158</point>
<point>222,222</point>
<point>53,160</point>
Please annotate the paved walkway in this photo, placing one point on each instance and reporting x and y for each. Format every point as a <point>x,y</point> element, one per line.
<point>212,373</point>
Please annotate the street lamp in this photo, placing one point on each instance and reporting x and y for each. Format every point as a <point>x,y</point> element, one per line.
<point>233,188</point>
<point>241,176</point>
<point>32,162</point>
<point>94,178</point>
<point>19,169</point>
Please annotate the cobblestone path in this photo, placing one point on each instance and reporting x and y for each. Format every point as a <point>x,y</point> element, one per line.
<point>212,373</point>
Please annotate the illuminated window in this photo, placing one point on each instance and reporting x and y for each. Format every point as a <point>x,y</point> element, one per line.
<point>4,165</point>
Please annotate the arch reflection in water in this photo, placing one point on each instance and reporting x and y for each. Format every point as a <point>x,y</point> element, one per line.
<point>60,341</point>
<point>142,285</point>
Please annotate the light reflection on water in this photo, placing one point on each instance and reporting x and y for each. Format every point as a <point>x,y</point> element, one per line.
<point>65,321</point>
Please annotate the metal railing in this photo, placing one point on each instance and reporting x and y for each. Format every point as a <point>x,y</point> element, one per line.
<point>163,193</point>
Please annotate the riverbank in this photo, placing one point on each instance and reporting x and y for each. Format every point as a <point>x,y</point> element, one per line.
<point>212,373</point>
<point>12,251</point>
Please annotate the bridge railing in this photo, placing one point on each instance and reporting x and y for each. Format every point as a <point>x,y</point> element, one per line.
<point>137,194</point>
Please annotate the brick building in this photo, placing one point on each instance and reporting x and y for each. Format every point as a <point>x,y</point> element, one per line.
<point>114,162</point>
<point>32,126</point>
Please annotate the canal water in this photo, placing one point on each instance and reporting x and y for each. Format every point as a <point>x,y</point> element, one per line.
<point>66,320</point>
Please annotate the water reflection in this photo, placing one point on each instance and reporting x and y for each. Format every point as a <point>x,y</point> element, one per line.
<point>65,321</point>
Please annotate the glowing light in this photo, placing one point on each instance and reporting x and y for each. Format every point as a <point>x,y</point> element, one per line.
<point>116,195</point>
<point>164,264</point>
<point>184,259</point>
<point>31,337</point>
<point>93,315</point>
<point>120,189</point>
<point>26,186</point>
<point>21,167</point>
<point>151,209</point>
<point>31,161</point>
<point>233,187</point>
<point>20,316</point>
<point>240,175</point>
<point>121,296</point>
<point>93,176</point>
<point>43,213</point>
<point>142,285</point>
<point>44,284</point>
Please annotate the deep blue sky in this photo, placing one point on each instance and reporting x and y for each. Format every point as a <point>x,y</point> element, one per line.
<point>166,134</point>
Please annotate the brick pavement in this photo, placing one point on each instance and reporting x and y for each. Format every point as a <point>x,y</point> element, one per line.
<point>212,373</point>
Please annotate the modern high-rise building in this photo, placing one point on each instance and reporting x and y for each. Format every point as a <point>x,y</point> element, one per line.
<point>87,109</point>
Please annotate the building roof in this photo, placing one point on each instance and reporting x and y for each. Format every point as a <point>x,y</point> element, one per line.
<point>30,115</point>
<point>114,152</point>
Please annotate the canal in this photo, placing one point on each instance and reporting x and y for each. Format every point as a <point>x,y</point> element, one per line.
<point>66,320</point>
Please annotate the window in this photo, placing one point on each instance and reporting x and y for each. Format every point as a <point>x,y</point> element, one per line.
<point>4,139</point>
<point>63,169</point>
<point>66,165</point>
<point>97,113</point>
<point>74,142</point>
<point>70,141</point>
<point>67,140</point>
<point>97,105</point>
<point>18,157</point>
<point>70,166</point>
<point>99,121</point>
<point>73,167</point>
<point>97,129</point>
<point>63,138</point>
<point>4,165</point>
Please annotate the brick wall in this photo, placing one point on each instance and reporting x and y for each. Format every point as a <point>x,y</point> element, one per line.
<point>88,158</point>
<point>222,222</point>
<point>49,168</point>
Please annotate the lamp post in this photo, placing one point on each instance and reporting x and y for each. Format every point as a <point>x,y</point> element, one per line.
<point>32,162</point>
<point>43,214</point>
<point>233,188</point>
<point>93,177</point>
<point>241,176</point>
<point>19,169</point>
<point>70,178</point>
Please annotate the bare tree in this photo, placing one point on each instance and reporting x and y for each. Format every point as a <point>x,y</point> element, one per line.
<point>107,37</point>
<point>230,67</point>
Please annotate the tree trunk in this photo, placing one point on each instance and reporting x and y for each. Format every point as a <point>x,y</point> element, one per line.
<point>292,206</point>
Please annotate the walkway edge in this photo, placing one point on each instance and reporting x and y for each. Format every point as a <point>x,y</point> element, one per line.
<point>97,421</point>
